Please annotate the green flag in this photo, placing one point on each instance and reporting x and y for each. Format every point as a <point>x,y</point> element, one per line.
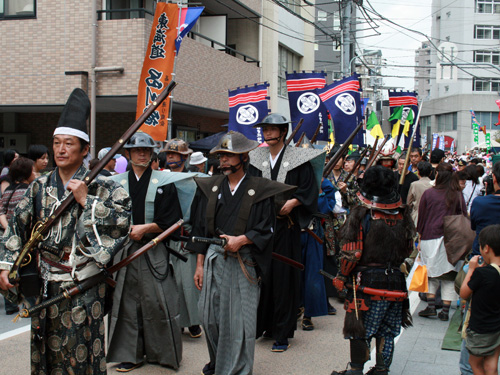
<point>374,126</point>
<point>396,115</point>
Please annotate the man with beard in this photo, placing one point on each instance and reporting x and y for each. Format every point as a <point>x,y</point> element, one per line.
<point>377,236</point>
<point>144,323</point>
<point>281,288</point>
<point>238,208</point>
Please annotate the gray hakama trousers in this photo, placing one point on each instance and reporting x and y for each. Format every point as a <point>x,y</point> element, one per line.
<point>228,310</point>
<point>145,320</point>
<point>188,293</point>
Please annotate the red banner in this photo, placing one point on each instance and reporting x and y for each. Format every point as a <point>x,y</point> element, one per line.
<point>157,69</point>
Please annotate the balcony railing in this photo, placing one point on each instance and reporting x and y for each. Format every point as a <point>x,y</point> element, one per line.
<point>229,50</point>
<point>124,14</point>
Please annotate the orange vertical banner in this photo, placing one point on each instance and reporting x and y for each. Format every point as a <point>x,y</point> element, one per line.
<point>157,69</point>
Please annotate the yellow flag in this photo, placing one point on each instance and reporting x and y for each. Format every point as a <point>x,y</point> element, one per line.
<point>377,132</point>
<point>395,129</point>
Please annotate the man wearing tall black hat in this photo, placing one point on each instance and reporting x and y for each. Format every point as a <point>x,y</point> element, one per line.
<point>69,335</point>
<point>377,237</point>
<point>293,166</point>
<point>241,207</point>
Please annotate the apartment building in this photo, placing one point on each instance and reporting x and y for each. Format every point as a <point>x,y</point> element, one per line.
<point>47,51</point>
<point>465,51</point>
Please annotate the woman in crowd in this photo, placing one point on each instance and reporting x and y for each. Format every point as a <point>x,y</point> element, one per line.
<point>472,185</point>
<point>8,157</point>
<point>444,199</point>
<point>40,156</point>
<point>21,175</point>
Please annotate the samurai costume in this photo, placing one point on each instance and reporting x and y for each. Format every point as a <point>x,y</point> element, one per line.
<point>231,280</point>
<point>280,297</point>
<point>68,337</point>
<point>377,237</point>
<point>145,318</point>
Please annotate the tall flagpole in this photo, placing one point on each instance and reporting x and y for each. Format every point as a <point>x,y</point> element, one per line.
<point>410,144</point>
<point>170,108</point>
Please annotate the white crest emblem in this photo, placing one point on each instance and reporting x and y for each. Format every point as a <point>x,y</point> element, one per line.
<point>346,103</point>
<point>308,102</point>
<point>247,115</point>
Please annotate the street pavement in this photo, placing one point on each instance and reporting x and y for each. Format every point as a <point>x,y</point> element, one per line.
<point>418,350</point>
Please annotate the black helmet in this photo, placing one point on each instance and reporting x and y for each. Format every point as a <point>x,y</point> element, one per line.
<point>355,155</point>
<point>379,188</point>
<point>140,139</point>
<point>273,119</point>
<point>235,143</point>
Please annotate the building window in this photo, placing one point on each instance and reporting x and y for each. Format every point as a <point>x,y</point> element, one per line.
<point>17,9</point>
<point>447,122</point>
<point>487,119</point>
<point>486,85</point>
<point>293,5</point>
<point>322,16</point>
<point>486,32</point>
<point>287,62</point>
<point>491,57</point>
<point>127,9</point>
<point>487,6</point>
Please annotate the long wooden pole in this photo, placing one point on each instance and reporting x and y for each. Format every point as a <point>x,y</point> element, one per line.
<point>407,158</point>
<point>41,228</point>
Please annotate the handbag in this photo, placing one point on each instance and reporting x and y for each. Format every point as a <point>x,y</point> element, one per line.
<point>458,236</point>
<point>417,278</point>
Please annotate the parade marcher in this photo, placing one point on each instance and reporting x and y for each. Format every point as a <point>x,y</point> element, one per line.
<point>241,207</point>
<point>314,296</point>
<point>177,152</point>
<point>144,322</point>
<point>109,169</point>
<point>377,237</point>
<point>280,297</point>
<point>69,336</point>
<point>350,162</point>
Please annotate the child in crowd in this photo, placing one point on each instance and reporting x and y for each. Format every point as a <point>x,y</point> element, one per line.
<point>483,284</point>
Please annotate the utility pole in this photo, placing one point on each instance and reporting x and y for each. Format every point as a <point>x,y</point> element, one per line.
<point>346,39</point>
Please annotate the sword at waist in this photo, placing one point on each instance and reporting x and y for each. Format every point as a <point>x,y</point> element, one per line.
<point>371,291</point>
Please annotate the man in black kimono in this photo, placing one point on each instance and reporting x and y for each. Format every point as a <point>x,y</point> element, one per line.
<point>145,322</point>
<point>241,207</point>
<point>280,296</point>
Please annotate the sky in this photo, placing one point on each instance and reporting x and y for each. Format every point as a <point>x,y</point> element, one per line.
<point>397,45</point>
